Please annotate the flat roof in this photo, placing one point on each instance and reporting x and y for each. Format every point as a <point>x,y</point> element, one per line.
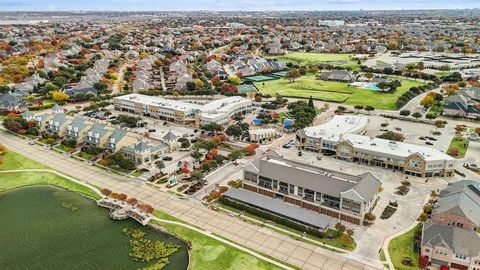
<point>208,110</point>
<point>338,126</point>
<point>279,207</point>
<point>396,149</point>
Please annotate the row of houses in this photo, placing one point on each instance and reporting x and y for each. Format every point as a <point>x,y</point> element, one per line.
<point>342,137</point>
<point>113,140</point>
<point>450,239</point>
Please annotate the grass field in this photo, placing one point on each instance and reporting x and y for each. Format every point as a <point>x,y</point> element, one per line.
<point>11,180</point>
<point>307,86</point>
<point>401,247</point>
<point>312,59</point>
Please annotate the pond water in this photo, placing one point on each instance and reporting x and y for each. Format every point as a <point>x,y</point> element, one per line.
<point>37,231</point>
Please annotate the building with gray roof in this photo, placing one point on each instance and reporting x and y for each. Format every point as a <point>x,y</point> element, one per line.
<point>459,205</point>
<point>279,208</point>
<point>342,196</point>
<point>444,245</point>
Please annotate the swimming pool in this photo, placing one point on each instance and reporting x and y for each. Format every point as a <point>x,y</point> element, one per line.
<point>373,86</point>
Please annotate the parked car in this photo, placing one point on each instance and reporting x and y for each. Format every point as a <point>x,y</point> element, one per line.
<point>286,146</point>
<point>31,142</point>
<point>300,153</point>
<point>422,138</point>
<point>398,129</point>
<point>195,131</point>
<point>204,182</point>
<point>319,158</point>
<point>428,143</point>
<point>291,142</point>
<point>151,130</point>
<point>167,158</point>
<point>383,129</point>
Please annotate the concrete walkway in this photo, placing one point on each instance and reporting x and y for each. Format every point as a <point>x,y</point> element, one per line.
<point>206,233</point>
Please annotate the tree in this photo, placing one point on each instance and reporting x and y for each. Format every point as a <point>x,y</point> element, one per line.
<point>369,108</point>
<point>106,191</point>
<point>310,103</point>
<point>58,96</point>
<point>197,176</point>
<point>349,232</point>
<point>258,98</point>
<point>417,115</point>
<point>234,130</point>
<point>340,227</point>
<point>196,155</point>
<point>370,217</point>
<point>405,112</point>
<point>212,127</point>
<point>292,74</point>
<point>358,107</point>
<point>346,240</point>
<point>235,80</point>
<point>427,101</point>
<point>4,89</point>
<point>234,155</point>
<point>160,164</point>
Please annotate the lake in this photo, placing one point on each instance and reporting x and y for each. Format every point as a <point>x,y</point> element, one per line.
<point>37,232</point>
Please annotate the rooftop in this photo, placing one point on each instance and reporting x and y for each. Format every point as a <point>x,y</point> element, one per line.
<point>279,207</point>
<point>334,129</point>
<point>394,148</point>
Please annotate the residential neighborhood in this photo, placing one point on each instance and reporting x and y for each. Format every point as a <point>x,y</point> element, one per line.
<point>257,139</point>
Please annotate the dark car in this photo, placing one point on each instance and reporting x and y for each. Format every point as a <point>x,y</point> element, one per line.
<point>300,153</point>
<point>167,158</point>
<point>422,138</point>
<point>151,130</point>
<point>286,146</point>
<point>428,143</point>
<point>195,131</point>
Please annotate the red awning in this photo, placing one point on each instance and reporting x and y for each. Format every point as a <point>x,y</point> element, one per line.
<point>444,267</point>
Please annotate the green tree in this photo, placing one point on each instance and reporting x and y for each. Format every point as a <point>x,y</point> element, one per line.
<point>292,74</point>
<point>310,103</point>
<point>234,130</point>
<point>196,155</point>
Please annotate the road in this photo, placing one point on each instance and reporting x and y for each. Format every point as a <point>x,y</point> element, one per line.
<point>280,246</point>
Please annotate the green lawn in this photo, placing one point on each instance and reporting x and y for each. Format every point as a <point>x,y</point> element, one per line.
<point>461,144</point>
<point>14,161</point>
<point>63,148</point>
<point>402,246</point>
<point>307,86</point>
<point>11,180</point>
<point>442,73</point>
<point>208,253</point>
<point>312,59</point>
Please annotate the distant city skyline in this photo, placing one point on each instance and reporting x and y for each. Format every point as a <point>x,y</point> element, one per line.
<point>229,5</point>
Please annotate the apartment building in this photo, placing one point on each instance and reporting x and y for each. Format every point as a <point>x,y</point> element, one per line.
<point>218,111</point>
<point>334,194</point>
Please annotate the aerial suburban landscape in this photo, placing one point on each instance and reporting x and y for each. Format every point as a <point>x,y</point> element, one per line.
<point>215,135</point>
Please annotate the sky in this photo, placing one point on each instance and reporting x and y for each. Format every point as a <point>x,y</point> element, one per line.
<point>248,5</point>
